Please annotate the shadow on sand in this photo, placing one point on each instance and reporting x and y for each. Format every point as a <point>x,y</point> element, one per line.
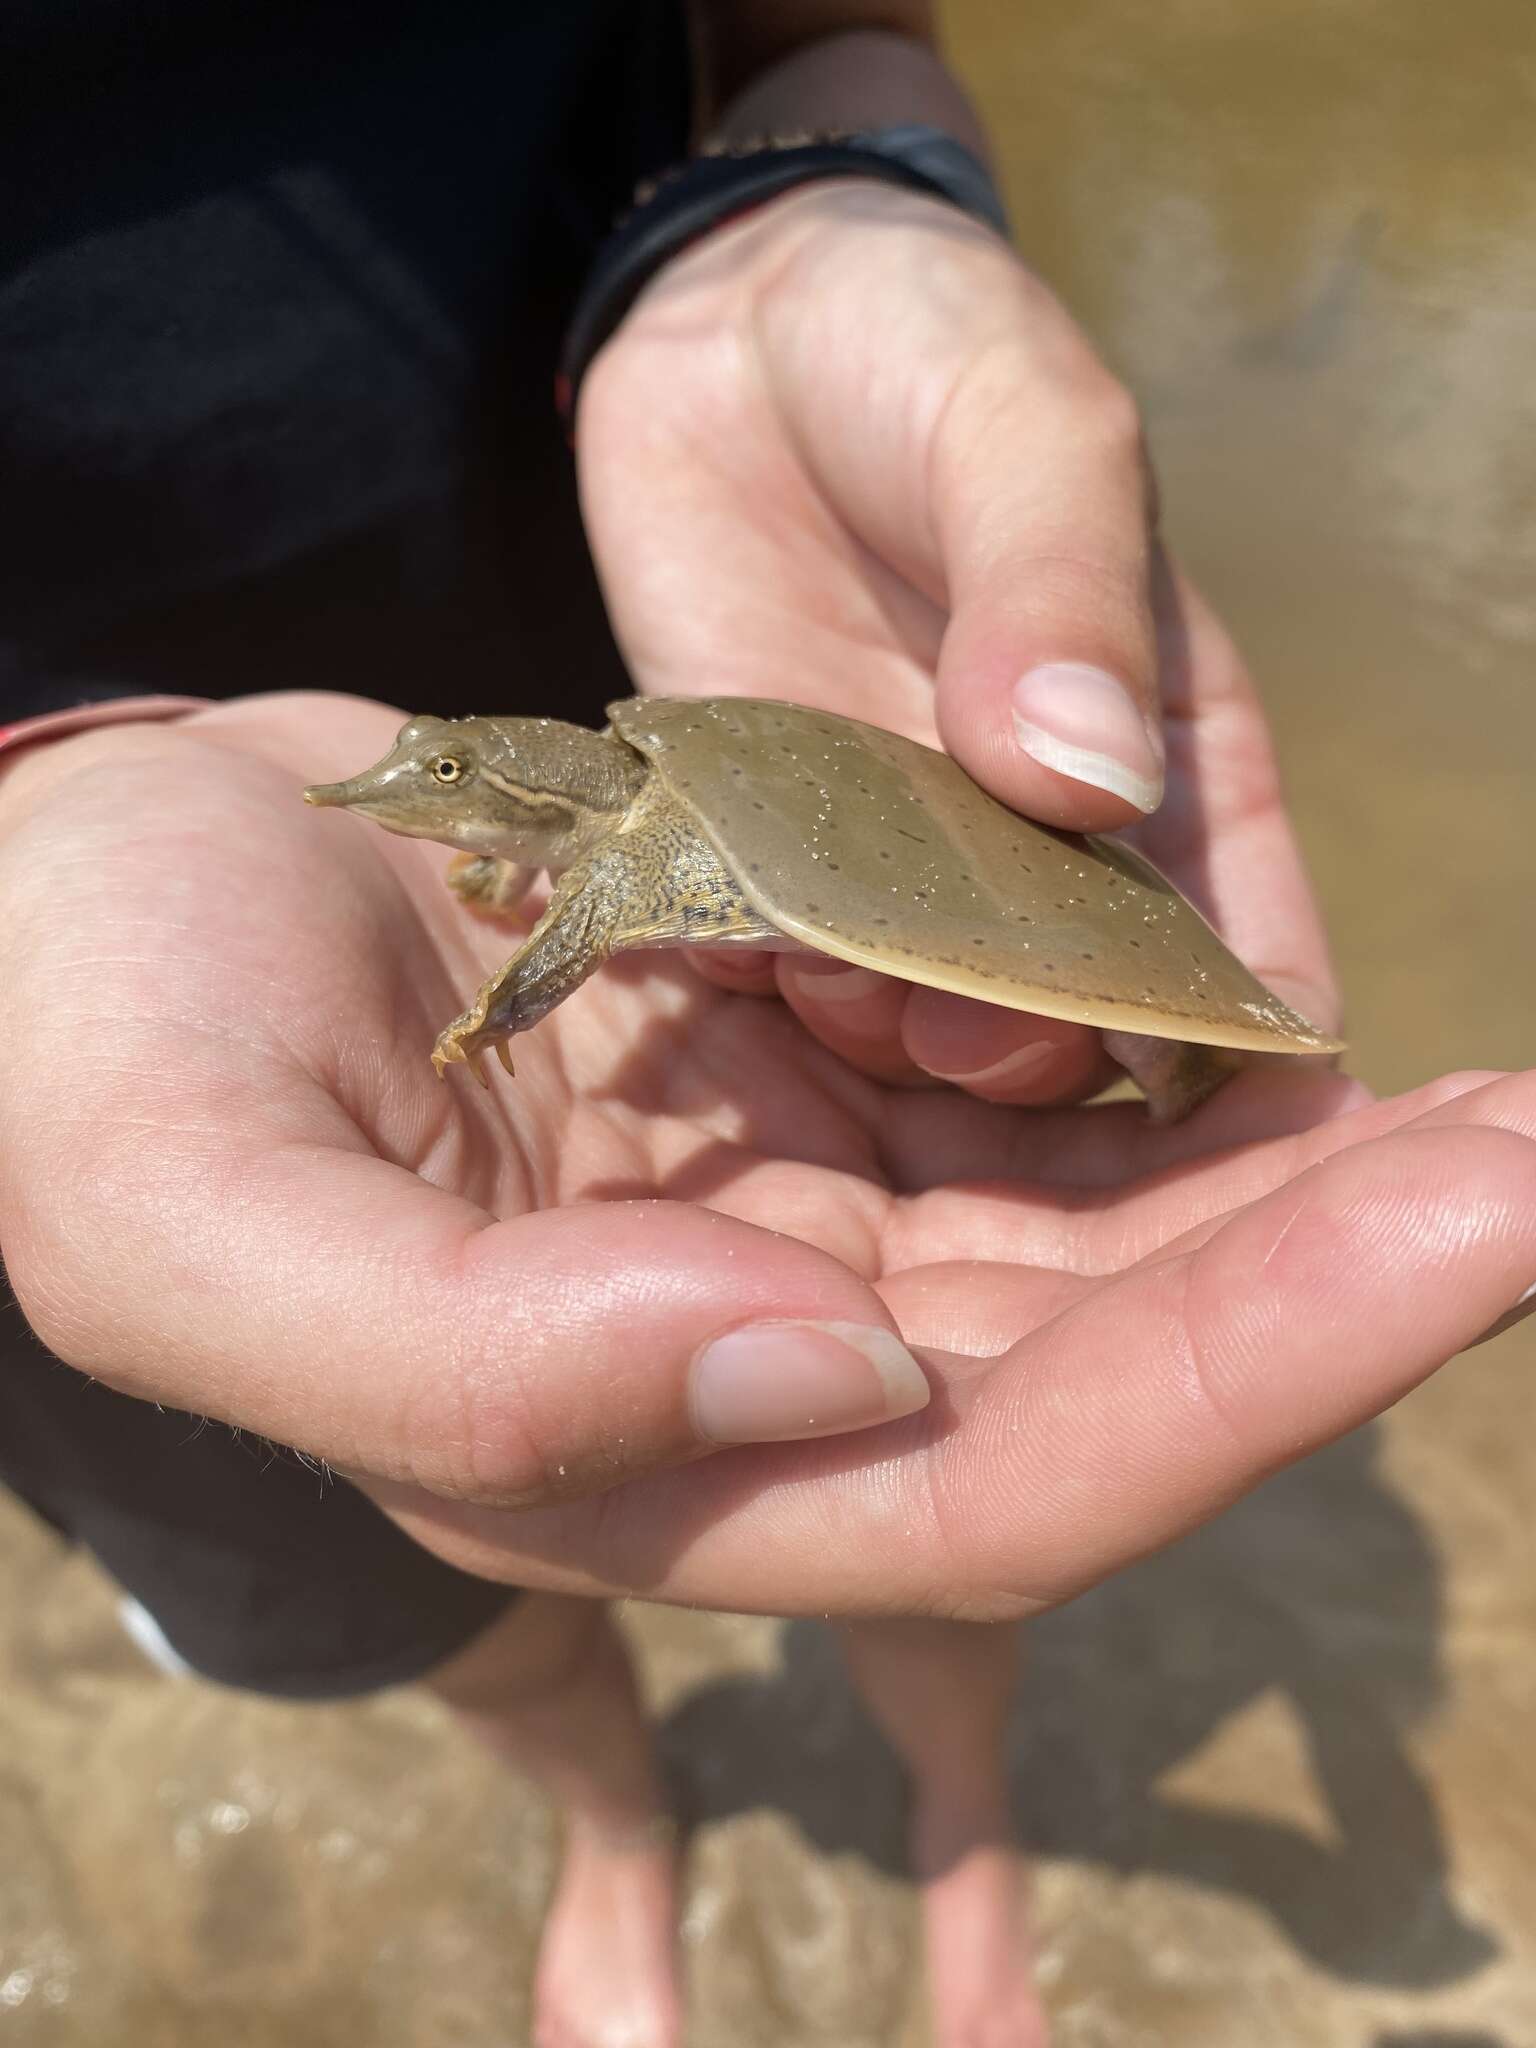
<point>1321,1590</point>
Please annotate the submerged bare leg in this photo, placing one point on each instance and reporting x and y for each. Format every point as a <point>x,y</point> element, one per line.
<point>940,1692</point>
<point>550,1690</point>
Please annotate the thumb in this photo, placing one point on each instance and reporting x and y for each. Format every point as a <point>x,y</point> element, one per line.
<point>613,1338</point>
<point>396,1330</point>
<point>1047,679</point>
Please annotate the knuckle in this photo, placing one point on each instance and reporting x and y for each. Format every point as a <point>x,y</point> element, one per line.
<point>486,1443</point>
<point>1115,413</point>
<point>1100,596</point>
<point>1113,426</point>
<point>1198,1360</point>
<point>506,1443</point>
<point>1465,1081</point>
<point>974,1577</point>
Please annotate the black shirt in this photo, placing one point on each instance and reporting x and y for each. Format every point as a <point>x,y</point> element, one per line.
<point>279,301</point>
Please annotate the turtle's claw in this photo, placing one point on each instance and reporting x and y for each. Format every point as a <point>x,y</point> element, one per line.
<point>448,1049</point>
<point>458,1042</point>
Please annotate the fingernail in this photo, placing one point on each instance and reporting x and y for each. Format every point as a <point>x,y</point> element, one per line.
<point>1083,722</point>
<point>1011,1067</point>
<point>829,983</point>
<point>776,1382</point>
<point>1524,1307</point>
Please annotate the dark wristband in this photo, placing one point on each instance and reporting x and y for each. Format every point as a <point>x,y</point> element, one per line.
<point>686,203</point>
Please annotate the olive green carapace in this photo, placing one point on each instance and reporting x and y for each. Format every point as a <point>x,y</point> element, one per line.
<point>742,821</point>
<point>865,845</point>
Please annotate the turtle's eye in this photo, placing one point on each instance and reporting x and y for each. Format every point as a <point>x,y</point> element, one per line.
<point>446,769</point>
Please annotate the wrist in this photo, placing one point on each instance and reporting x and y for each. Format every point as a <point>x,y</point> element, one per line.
<point>693,201</point>
<point>859,80</point>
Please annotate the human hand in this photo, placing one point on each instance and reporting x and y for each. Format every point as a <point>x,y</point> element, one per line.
<point>229,1181</point>
<point>849,451</point>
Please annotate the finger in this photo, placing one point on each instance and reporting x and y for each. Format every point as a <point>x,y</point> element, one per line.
<point>1223,833</point>
<point>1139,1411</point>
<point>975,1310</point>
<point>1047,678</point>
<point>739,970</point>
<point>912,1036</point>
<point>1089,1227</point>
<point>854,1012</point>
<point>931,1143</point>
<point>371,1319</point>
<point>1002,1055</point>
<point>916,1037</point>
<point>1502,1102</point>
<point>1300,1318</point>
<point>994,462</point>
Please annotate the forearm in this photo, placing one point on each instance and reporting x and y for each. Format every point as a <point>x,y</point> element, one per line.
<point>787,68</point>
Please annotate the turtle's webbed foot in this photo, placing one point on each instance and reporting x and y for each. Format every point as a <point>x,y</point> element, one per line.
<point>491,1019</point>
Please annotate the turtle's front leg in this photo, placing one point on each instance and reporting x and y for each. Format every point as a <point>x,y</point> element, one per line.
<point>571,940</point>
<point>488,886</point>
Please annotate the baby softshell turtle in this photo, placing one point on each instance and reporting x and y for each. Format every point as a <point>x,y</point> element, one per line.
<point>742,821</point>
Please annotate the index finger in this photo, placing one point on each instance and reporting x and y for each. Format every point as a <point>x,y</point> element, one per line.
<point>1223,833</point>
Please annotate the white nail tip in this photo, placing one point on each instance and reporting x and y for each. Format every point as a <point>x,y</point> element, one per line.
<point>1019,1062</point>
<point>905,1382</point>
<point>1084,764</point>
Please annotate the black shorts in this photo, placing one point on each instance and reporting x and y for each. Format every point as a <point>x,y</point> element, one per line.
<point>257,1570</point>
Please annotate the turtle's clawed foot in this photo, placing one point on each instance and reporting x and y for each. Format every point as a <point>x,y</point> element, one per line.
<point>450,1048</point>
<point>466,1039</point>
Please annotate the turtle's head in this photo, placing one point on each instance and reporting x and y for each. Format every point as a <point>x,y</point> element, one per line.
<point>522,789</point>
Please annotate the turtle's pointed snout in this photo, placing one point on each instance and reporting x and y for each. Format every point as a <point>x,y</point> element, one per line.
<point>323,793</point>
<point>381,794</point>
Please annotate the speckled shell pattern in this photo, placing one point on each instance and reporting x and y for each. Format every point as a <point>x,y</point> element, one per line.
<point>866,846</point>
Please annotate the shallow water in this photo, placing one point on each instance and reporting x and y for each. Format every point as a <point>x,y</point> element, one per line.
<point>1282,1780</point>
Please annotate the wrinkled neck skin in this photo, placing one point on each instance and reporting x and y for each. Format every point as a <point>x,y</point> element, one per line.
<point>546,793</point>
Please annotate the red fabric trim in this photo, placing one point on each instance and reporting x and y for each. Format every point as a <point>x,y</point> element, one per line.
<point>56,725</point>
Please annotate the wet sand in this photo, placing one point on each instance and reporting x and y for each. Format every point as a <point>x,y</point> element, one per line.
<point>1282,1780</point>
